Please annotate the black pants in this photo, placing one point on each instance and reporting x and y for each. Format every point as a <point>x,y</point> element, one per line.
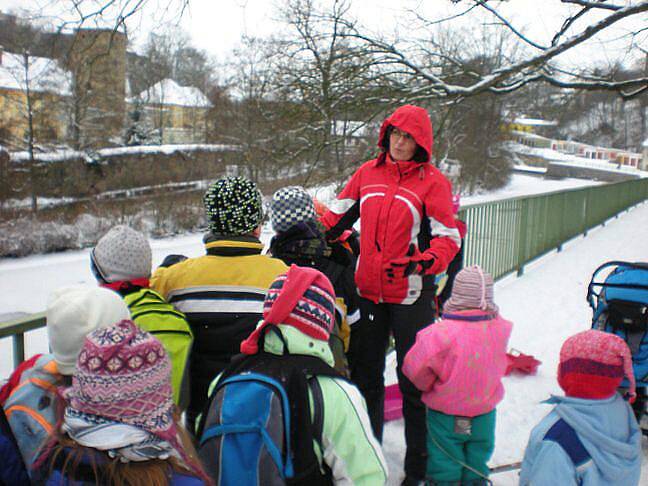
<point>367,371</point>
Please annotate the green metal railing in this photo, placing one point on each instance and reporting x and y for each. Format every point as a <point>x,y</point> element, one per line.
<point>502,236</point>
<point>505,235</point>
<point>16,329</point>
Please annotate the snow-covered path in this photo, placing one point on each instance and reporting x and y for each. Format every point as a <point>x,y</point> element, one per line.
<point>546,305</point>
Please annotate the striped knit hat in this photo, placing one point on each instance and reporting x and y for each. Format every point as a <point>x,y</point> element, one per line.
<point>303,298</point>
<point>234,206</point>
<point>592,365</point>
<point>124,374</point>
<point>472,289</point>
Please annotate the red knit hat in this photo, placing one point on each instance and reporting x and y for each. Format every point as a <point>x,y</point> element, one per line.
<point>303,298</point>
<point>592,365</point>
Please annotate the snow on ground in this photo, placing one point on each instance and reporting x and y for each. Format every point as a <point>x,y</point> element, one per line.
<point>527,185</point>
<point>546,306</point>
<point>166,149</point>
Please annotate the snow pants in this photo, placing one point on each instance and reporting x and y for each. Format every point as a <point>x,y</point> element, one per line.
<point>451,446</point>
<point>368,368</point>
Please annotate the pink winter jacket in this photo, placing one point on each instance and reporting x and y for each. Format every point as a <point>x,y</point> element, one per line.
<point>458,363</point>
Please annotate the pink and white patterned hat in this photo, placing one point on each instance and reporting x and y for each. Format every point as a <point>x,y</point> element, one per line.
<point>124,374</point>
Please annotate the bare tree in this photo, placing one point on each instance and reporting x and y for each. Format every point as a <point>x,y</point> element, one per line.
<point>336,83</point>
<point>403,57</point>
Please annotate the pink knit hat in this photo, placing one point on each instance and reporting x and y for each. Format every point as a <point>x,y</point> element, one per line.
<point>303,298</point>
<point>472,290</point>
<point>592,365</point>
<point>124,374</point>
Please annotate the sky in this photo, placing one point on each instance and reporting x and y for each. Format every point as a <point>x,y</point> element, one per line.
<point>216,26</point>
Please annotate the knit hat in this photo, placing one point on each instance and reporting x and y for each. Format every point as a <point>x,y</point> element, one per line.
<point>472,289</point>
<point>75,311</point>
<point>592,365</point>
<point>124,374</point>
<point>234,206</point>
<point>303,298</point>
<point>290,206</point>
<point>122,254</point>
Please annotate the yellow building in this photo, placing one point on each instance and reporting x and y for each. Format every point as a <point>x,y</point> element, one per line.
<point>42,83</point>
<point>177,113</point>
<point>96,100</point>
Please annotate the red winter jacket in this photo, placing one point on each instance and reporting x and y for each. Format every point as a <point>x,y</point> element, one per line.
<point>398,203</point>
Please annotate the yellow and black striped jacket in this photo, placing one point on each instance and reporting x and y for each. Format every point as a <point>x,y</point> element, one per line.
<point>222,294</point>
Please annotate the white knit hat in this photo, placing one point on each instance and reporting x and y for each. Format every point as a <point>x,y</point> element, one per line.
<point>75,311</point>
<point>122,254</point>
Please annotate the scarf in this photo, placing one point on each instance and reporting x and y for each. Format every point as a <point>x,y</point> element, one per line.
<point>303,241</point>
<point>123,441</point>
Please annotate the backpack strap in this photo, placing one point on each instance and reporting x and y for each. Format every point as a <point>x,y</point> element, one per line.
<point>566,437</point>
<point>318,421</point>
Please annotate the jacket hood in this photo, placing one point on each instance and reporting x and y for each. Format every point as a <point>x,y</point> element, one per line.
<point>614,454</point>
<point>298,343</point>
<point>413,120</point>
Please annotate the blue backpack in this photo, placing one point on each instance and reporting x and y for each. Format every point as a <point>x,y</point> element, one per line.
<point>620,304</point>
<point>257,426</point>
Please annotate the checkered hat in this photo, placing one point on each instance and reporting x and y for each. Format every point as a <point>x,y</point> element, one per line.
<point>234,206</point>
<point>289,206</point>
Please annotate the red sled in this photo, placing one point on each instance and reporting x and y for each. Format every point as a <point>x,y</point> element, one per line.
<point>524,364</point>
<point>393,403</point>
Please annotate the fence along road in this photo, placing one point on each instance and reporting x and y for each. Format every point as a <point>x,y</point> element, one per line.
<point>503,236</point>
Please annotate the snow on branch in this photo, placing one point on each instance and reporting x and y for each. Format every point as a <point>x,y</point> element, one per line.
<point>517,74</point>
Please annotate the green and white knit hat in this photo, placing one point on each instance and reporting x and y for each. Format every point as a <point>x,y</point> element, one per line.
<point>234,206</point>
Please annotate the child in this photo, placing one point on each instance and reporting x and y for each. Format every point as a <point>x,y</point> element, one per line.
<point>458,364</point>
<point>591,437</point>
<point>118,426</point>
<point>300,307</point>
<point>299,239</point>
<point>121,261</point>
<point>72,312</point>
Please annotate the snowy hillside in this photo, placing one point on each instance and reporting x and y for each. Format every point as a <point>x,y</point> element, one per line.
<point>546,305</point>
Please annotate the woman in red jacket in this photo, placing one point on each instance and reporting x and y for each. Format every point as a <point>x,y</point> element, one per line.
<point>407,236</point>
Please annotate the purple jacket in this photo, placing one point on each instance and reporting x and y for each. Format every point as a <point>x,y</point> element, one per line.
<point>458,363</point>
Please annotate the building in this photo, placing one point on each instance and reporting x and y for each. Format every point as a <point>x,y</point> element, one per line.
<point>178,114</point>
<point>81,98</point>
<point>41,83</point>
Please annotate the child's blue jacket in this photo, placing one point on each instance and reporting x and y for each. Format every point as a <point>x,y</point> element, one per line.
<point>610,439</point>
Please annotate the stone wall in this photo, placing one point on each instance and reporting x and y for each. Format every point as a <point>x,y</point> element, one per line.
<point>76,177</point>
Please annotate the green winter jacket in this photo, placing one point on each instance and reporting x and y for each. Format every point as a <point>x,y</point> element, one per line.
<point>350,449</point>
<point>153,314</point>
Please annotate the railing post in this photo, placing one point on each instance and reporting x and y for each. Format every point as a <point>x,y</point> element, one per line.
<point>522,236</point>
<point>18,348</point>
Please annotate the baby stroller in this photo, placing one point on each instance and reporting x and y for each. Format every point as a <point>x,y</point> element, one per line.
<point>618,295</point>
